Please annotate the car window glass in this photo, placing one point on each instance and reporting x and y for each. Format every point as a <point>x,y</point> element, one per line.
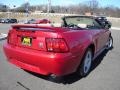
<point>96,25</point>
<point>82,22</point>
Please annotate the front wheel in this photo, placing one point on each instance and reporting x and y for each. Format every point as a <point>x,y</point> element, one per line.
<point>85,66</point>
<point>110,43</point>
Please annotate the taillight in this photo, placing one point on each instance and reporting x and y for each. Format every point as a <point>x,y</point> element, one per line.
<point>8,37</point>
<point>56,45</point>
<point>11,39</point>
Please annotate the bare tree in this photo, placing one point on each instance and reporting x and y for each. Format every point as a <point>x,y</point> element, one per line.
<point>92,5</point>
<point>81,8</point>
<point>3,7</point>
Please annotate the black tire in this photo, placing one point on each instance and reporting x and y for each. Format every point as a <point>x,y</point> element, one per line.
<point>110,43</point>
<point>84,70</point>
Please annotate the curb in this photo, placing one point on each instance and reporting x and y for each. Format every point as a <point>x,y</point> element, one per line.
<point>115,28</point>
<point>3,36</point>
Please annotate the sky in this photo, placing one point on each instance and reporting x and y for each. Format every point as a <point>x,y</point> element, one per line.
<point>103,3</point>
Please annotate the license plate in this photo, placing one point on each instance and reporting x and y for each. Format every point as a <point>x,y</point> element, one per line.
<point>26,41</point>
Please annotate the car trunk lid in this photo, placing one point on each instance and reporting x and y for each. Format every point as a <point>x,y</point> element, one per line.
<point>30,36</point>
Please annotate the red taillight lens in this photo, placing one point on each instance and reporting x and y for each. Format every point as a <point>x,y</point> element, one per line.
<point>56,45</point>
<point>8,37</point>
<point>11,38</point>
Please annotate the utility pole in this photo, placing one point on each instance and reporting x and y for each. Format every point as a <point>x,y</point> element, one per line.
<point>26,9</point>
<point>14,6</point>
<point>49,6</point>
<point>49,9</point>
<point>8,11</point>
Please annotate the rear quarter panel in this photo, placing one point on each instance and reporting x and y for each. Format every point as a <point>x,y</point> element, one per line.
<point>77,41</point>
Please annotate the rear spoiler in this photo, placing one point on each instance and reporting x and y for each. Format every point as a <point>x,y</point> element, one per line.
<point>33,27</point>
<point>44,27</point>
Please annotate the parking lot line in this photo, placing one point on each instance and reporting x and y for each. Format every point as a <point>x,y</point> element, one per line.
<point>3,36</point>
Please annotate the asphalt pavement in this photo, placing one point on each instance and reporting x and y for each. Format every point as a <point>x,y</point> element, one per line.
<point>105,74</point>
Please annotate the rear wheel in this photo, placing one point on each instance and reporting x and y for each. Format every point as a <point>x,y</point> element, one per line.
<point>85,66</point>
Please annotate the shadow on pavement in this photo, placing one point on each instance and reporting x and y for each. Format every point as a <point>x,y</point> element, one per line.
<point>69,79</point>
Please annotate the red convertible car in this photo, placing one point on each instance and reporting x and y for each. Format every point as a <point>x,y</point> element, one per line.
<point>58,51</point>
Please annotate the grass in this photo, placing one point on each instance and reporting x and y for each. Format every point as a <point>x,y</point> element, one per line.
<point>23,16</point>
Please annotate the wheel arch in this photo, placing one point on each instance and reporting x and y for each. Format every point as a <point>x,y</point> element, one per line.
<point>110,34</point>
<point>90,46</point>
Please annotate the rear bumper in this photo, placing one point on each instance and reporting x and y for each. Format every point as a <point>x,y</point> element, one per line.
<point>44,63</point>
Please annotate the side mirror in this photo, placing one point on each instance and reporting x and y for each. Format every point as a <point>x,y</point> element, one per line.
<point>107,26</point>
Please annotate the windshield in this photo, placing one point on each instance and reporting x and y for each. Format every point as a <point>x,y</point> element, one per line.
<point>81,22</point>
